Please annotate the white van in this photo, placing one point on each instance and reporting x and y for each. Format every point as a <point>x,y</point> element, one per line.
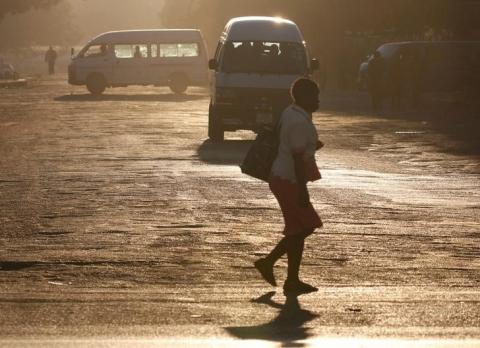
<point>255,63</point>
<point>176,58</point>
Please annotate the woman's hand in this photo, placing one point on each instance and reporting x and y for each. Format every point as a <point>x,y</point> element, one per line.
<point>320,144</point>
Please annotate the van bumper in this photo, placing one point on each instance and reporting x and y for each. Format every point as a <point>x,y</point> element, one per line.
<point>250,109</point>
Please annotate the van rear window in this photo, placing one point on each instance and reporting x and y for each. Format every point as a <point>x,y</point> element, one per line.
<point>264,57</point>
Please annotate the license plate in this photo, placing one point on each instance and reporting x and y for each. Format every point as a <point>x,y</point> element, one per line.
<point>264,117</point>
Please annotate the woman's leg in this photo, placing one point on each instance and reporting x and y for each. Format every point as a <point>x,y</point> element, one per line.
<point>294,253</point>
<point>277,252</point>
<point>293,285</point>
<point>265,265</point>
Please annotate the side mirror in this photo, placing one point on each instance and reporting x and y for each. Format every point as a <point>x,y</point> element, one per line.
<point>212,64</point>
<point>314,64</point>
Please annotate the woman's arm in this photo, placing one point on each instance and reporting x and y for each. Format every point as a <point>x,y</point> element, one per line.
<point>303,197</point>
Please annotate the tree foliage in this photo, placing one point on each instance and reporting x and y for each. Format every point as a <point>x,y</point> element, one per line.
<point>39,27</point>
<point>325,20</point>
<point>340,32</point>
<point>19,6</point>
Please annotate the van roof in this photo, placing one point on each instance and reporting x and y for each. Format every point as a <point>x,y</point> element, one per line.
<point>150,35</point>
<point>257,28</point>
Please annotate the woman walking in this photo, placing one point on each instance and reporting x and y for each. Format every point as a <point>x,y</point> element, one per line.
<point>293,168</point>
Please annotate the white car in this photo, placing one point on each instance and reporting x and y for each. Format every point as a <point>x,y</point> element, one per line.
<point>256,61</point>
<point>172,57</point>
<point>7,72</point>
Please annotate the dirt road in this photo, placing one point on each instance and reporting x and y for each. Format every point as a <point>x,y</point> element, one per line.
<point>119,221</point>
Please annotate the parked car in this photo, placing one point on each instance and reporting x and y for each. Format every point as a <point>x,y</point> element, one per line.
<point>7,72</point>
<point>255,63</point>
<point>442,66</point>
<point>176,58</point>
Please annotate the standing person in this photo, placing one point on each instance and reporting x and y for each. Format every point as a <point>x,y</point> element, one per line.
<point>50,58</point>
<point>375,72</point>
<point>293,167</point>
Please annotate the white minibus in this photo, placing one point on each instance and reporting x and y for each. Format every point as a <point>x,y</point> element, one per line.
<point>172,57</point>
<point>255,63</point>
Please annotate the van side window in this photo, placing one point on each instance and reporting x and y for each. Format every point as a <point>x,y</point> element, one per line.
<point>131,51</point>
<point>188,50</point>
<point>154,51</point>
<point>179,50</point>
<point>95,51</point>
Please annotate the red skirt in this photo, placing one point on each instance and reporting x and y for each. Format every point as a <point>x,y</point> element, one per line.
<point>298,220</point>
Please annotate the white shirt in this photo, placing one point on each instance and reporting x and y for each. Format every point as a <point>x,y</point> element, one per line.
<point>297,135</point>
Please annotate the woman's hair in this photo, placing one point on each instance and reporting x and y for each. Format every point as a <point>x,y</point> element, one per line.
<point>303,88</point>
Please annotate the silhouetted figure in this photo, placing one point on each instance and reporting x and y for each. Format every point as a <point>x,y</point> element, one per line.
<point>257,49</point>
<point>292,169</point>
<point>244,58</point>
<point>274,50</point>
<point>286,59</point>
<point>50,58</point>
<point>375,73</point>
<point>137,53</point>
<point>321,73</point>
<point>288,327</point>
<point>103,50</point>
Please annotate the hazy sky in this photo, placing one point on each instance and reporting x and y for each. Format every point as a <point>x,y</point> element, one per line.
<point>93,17</point>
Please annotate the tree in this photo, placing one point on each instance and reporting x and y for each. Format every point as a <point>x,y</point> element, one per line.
<point>39,27</point>
<point>19,6</point>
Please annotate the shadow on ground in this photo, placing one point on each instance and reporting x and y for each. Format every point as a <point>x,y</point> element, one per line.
<point>456,119</point>
<point>288,327</point>
<point>225,152</point>
<point>129,97</point>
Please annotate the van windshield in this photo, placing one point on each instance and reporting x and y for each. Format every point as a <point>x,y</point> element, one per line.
<point>284,58</point>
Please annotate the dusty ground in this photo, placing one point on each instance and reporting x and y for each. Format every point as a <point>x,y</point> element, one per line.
<point>121,224</point>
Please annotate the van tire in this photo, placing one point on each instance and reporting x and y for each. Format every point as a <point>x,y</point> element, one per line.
<point>178,83</point>
<point>96,84</point>
<point>215,130</point>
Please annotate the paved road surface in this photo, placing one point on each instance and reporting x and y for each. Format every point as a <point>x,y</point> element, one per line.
<point>121,225</point>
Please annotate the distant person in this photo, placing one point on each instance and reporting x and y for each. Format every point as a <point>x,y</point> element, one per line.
<point>244,57</point>
<point>101,53</point>
<point>138,53</point>
<point>229,57</point>
<point>103,50</point>
<point>321,73</point>
<point>257,49</point>
<point>274,51</point>
<point>292,169</point>
<point>375,75</point>
<point>287,58</point>
<point>50,58</point>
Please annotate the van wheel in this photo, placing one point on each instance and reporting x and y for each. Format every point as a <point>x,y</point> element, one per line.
<point>96,84</point>
<point>178,83</point>
<point>215,130</point>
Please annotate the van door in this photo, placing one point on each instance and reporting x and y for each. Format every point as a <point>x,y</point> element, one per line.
<point>131,62</point>
<point>95,58</point>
